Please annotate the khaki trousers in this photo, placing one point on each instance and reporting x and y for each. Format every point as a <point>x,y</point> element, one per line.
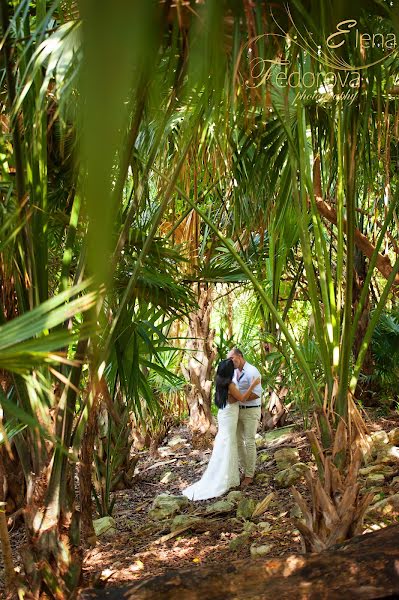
<point>248,420</point>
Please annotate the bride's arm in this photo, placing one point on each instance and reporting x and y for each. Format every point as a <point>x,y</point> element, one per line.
<point>235,394</point>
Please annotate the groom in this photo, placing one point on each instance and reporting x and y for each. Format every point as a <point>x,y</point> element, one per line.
<point>249,415</point>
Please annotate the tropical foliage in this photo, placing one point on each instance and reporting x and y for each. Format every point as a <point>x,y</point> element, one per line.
<point>176,178</point>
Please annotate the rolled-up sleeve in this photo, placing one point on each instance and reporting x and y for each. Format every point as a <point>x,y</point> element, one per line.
<point>253,373</point>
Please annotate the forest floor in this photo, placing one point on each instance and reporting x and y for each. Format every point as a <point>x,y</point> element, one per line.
<point>138,550</point>
<point>142,547</point>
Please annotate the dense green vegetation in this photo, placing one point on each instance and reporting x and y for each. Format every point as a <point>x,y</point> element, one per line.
<point>176,178</point>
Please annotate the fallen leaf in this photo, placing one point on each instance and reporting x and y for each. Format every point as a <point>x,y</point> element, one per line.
<point>138,565</point>
<point>106,573</point>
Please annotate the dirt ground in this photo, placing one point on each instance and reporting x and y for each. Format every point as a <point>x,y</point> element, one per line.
<point>142,548</point>
<point>138,552</point>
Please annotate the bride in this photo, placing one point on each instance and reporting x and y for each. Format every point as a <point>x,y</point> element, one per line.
<point>222,471</point>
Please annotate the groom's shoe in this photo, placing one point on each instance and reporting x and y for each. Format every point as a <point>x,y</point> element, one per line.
<point>246,482</point>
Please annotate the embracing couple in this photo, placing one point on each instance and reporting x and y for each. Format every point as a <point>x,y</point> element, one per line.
<point>238,396</point>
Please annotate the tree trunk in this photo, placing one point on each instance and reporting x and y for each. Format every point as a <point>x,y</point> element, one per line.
<point>335,508</point>
<point>15,483</point>
<point>383,264</point>
<point>362,392</point>
<point>9,572</point>
<point>229,317</point>
<point>202,354</point>
<point>52,556</point>
<point>85,474</point>
<point>276,412</point>
<point>365,567</point>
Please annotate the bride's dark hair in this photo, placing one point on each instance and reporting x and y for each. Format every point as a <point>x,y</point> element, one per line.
<point>224,376</point>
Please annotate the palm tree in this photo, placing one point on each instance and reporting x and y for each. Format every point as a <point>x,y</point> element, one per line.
<point>169,115</point>
<point>96,232</point>
<point>323,151</point>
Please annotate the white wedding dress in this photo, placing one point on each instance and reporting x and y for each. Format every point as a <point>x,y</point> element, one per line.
<point>222,471</point>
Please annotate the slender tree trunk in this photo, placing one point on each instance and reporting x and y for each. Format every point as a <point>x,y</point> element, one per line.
<point>201,354</point>
<point>52,556</point>
<point>85,474</point>
<point>9,571</point>
<point>383,263</point>
<point>16,487</point>
<point>229,317</point>
<point>363,392</point>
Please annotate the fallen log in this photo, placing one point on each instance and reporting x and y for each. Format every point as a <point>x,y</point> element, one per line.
<point>365,567</point>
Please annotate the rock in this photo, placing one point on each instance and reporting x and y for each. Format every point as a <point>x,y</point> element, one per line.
<point>166,505</point>
<point>386,506</point>
<point>388,454</point>
<point>376,448</point>
<point>239,541</point>
<point>245,508</point>
<point>379,437</point>
<point>221,506</point>
<point>367,470</point>
<point>249,527</point>
<point>166,500</point>
<point>167,477</point>
<point>286,457</point>
<point>290,476</point>
<point>177,442</point>
<point>388,470</point>
<point>183,521</point>
<point>105,526</point>
<point>281,433</point>
<point>377,469</point>
<point>260,550</point>
<point>159,514</point>
<point>395,481</point>
<point>234,496</point>
<point>393,436</point>
<point>375,478</point>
